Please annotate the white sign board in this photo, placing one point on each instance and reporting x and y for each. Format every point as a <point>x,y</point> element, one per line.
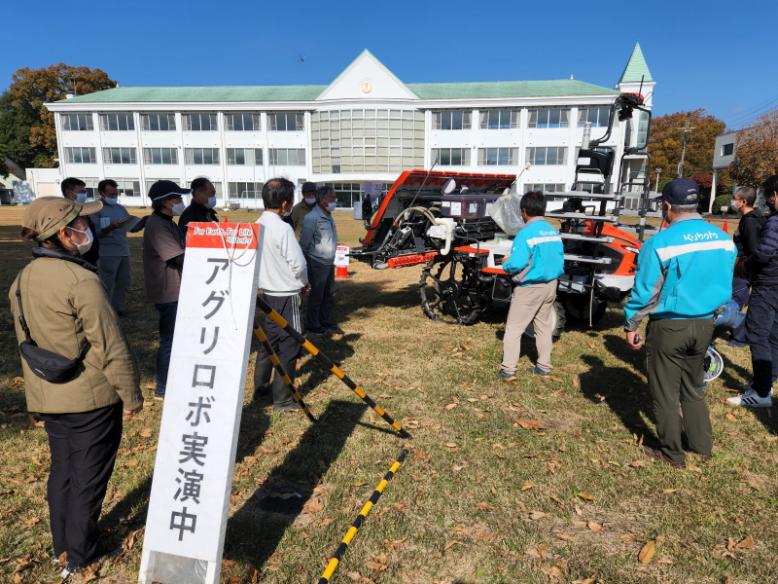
<point>341,255</point>
<point>190,492</point>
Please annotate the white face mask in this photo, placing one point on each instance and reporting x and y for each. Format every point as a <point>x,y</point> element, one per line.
<point>332,206</point>
<point>81,197</point>
<point>178,208</point>
<point>110,201</point>
<point>211,202</point>
<point>310,201</point>
<point>87,245</point>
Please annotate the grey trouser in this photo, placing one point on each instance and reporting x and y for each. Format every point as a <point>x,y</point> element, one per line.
<point>115,274</point>
<point>533,303</point>
<point>675,355</point>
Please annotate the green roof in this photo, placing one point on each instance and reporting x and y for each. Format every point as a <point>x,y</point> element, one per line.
<point>548,88</point>
<point>205,94</point>
<point>545,88</point>
<point>637,68</point>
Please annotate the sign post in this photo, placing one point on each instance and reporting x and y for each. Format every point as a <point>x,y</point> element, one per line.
<point>190,491</point>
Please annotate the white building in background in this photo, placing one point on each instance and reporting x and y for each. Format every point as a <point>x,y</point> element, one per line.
<point>367,126</point>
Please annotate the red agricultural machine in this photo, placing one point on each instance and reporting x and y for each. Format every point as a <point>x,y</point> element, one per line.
<point>460,227</point>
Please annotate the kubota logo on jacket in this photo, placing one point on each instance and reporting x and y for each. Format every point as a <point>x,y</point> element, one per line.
<point>684,271</point>
<point>537,255</point>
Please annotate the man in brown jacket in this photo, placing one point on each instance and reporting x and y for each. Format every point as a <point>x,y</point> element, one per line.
<point>61,302</point>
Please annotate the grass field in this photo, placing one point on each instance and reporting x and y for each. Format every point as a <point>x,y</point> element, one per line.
<point>541,481</point>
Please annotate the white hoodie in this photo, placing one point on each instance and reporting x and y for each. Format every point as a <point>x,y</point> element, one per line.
<point>282,269</point>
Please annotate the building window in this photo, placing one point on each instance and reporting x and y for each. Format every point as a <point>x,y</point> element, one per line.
<point>77,122</point>
<point>159,122</point>
<point>547,155</point>
<point>200,156</point>
<point>546,188</point>
<point>160,155</point>
<point>117,122</point>
<point>286,121</point>
<point>499,119</point>
<point>201,122</point>
<point>80,155</point>
<point>119,156</point>
<point>597,116</point>
<point>366,140</point>
<point>242,122</point>
<point>245,190</point>
<point>498,156</point>
<point>244,156</point>
<point>451,156</point>
<point>728,149</point>
<point>451,120</point>
<point>549,117</point>
<point>287,156</point>
<point>128,188</point>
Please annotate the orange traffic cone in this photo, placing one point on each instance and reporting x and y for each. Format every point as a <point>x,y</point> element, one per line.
<point>341,262</point>
<point>725,227</point>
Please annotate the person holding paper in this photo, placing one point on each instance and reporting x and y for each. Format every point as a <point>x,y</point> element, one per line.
<point>111,224</point>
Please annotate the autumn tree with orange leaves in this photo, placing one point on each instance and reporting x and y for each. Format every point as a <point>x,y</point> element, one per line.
<point>756,151</point>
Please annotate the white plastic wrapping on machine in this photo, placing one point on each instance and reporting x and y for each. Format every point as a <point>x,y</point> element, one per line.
<point>506,212</point>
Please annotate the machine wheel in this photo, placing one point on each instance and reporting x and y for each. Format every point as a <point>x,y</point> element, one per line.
<point>714,364</point>
<point>559,323</point>
<point>577,308</point>
<point>450,291</point>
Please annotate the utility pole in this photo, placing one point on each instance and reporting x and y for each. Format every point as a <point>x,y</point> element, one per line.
<point>686,130</point>
<point>656,186</point>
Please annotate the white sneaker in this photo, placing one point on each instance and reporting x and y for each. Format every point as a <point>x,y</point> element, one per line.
<point>751,399</point>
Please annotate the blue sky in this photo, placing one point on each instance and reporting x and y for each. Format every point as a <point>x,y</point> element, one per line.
<point>710,54</point>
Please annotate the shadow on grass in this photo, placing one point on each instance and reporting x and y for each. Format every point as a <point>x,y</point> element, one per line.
<point>254,531</point>
<point>338,350</point>
<point>130,513</point>
<point>623,391</point>
<point>13,413</point>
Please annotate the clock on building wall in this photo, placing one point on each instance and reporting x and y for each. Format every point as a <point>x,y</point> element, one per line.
<point>366,86</point>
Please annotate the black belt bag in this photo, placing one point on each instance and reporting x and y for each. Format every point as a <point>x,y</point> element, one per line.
<point>46,364</point>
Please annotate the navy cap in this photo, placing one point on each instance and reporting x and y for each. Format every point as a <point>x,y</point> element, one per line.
<point>681,191</point>
<point>309,187</point>
<point>166,188</point>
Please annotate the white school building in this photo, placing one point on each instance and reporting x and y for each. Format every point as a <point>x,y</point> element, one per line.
<point>357,133</point>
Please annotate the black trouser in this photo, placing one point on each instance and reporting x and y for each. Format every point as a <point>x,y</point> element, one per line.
<point>83,451</point>
<point>675,356</point>
<point>322,280</point>
<point>287,349</point>
<point>740,294</point>
<point>762,334</point>
<point>167,328</point>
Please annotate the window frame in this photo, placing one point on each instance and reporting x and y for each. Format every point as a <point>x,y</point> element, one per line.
<point>169,116</point>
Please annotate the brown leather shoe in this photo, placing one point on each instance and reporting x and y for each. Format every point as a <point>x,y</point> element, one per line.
<point>662,457</point>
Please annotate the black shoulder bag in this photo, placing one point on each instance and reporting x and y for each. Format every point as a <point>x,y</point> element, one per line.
<point>47,365</point>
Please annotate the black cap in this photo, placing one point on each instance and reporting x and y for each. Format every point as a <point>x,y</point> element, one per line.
<point>166,188</point>
<point>309,187</point>
<point>681,191</point>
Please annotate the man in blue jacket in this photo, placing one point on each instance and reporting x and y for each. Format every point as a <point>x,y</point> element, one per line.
<point>762,318</point>
<point>684,275</point>
<point>537,259</point>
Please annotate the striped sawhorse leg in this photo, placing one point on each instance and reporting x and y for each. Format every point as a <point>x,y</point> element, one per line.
<point>330,366</point>
<point>336,558</point>
<point>279,367</point>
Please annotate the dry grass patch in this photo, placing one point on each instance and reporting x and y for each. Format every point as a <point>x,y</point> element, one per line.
<point>535,482</point>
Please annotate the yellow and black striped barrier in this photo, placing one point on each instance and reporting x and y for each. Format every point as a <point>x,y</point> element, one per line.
<point>332,565</point>
<point>274,359</point>
<point>330,366</point>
